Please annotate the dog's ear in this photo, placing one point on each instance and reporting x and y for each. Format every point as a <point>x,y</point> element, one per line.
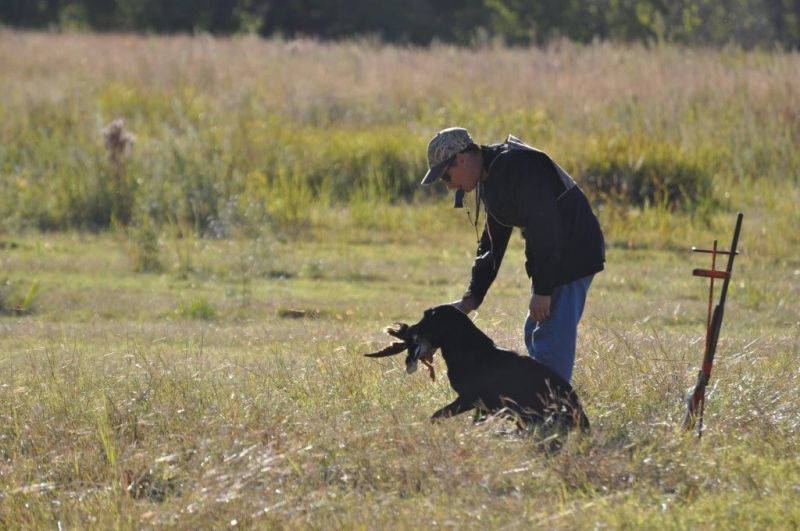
<point>395,348</point>
<point>398,330</point>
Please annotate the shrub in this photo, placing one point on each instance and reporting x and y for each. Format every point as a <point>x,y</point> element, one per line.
<point>15,299</point>
<point>197,309</point>
<point>642,171</point>
<point>118,143</point>
<point>144,251</point>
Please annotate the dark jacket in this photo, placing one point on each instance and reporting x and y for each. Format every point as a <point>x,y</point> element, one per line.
<point>563,240</point>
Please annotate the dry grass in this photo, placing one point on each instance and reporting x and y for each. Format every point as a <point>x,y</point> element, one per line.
<point>120,410</point>
<point>293,74</point>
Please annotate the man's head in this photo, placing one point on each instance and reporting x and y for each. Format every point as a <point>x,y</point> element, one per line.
<point>454,158</point>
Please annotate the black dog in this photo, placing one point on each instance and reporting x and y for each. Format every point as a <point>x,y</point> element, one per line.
<point>486,377</point>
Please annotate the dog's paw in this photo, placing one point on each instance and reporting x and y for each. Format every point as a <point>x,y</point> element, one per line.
<point>439,416</point>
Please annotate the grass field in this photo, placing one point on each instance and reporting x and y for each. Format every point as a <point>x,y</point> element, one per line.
<point>226,387</point>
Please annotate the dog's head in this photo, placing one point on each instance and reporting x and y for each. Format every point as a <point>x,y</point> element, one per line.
<point>420,340</point>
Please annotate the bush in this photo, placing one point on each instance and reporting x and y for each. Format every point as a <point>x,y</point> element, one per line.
<point>642,172</point>
<point>145,252</point>
<point>15,299</point>
<point>197,309</point>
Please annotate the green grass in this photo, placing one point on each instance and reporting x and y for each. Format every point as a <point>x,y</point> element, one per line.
<point>202,366</point>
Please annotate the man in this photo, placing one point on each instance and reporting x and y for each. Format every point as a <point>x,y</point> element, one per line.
<point>564,247</point>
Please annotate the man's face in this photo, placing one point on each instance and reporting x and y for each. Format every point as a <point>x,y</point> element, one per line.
<point>464,172</point>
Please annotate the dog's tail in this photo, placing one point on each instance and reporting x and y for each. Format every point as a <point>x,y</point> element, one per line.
<point>578,414</point>
<point>583,421</point>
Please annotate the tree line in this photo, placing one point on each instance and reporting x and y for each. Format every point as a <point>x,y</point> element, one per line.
<point>748,23</point>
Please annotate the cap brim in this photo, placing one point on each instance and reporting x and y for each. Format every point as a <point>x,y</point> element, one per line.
<point>435,172</point>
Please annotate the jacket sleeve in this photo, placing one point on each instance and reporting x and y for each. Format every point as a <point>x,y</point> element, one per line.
<point>536,203</point>
<point>491,249</point>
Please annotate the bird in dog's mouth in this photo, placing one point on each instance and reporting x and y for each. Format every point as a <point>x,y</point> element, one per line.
<point>418,348</point>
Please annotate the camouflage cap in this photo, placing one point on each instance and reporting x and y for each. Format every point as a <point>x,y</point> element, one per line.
<point>442,149</point>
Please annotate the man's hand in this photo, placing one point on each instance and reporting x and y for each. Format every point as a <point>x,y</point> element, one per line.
<point>466,305</point>
<point>539,307</point>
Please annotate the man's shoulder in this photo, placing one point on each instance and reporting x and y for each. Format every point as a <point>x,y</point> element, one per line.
<point>510,161</point>
<point>505,159</point>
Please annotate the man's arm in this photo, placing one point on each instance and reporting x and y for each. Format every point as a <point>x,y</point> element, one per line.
<point>491,249</point>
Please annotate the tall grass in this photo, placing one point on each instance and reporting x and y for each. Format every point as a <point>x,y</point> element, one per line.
<point>251,131</point>
<point>171,405</point>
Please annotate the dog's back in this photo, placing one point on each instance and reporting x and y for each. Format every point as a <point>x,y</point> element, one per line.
<point>529,388</point>
<point>500,378</point>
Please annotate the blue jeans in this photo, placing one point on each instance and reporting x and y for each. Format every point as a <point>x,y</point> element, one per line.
<point>552,342</point>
